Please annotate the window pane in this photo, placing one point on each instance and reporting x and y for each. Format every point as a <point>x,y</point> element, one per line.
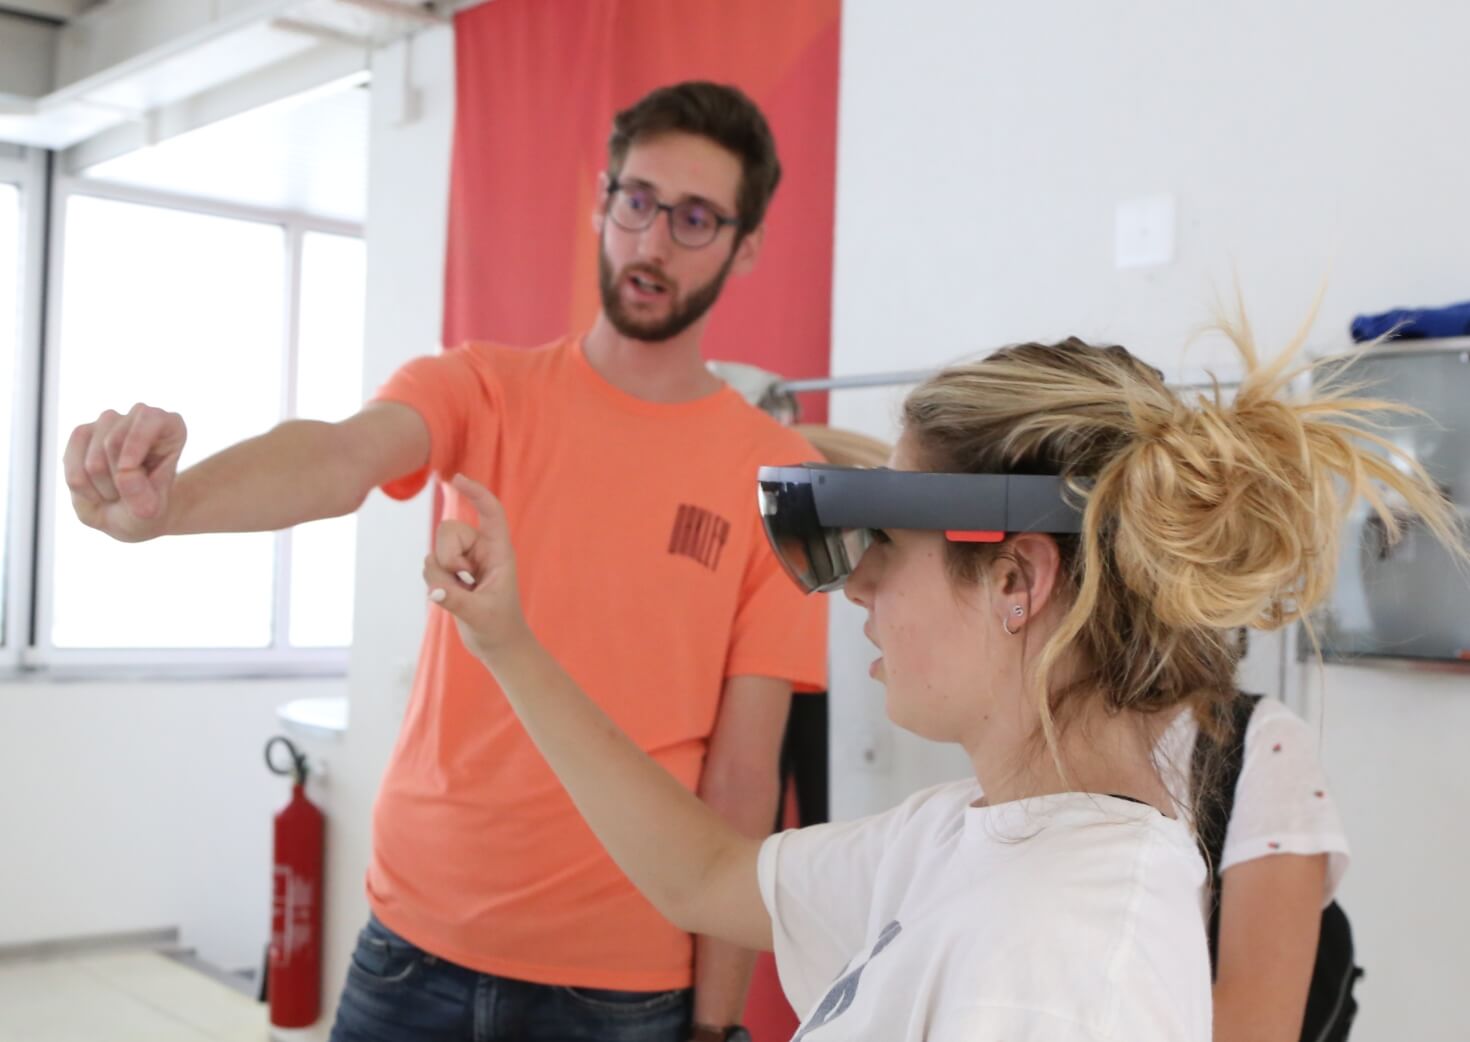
<point>10,252</point>
<point>328,387</point>
<point>329,348</point>
<point>182,311</point>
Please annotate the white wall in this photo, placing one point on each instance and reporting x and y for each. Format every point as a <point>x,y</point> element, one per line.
<point>141,806</point>
<point>983,148</point>
<point>982,151</point>
<point>1395,750</point>
<point>408,189</point>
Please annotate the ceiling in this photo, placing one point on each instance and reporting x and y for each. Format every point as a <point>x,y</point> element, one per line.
<point>102,77</point>
<point>257,102</point>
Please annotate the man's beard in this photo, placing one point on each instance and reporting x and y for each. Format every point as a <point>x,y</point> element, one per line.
<point>683,311</point>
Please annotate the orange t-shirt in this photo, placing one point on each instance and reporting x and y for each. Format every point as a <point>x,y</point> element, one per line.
<point>644,570</point>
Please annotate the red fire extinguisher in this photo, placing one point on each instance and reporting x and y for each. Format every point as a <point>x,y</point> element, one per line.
<point>293,976</point>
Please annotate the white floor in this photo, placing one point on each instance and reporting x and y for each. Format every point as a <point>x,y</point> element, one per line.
<point>128,996</point>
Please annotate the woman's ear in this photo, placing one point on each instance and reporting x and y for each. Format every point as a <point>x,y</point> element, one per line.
<point>1025,575</point>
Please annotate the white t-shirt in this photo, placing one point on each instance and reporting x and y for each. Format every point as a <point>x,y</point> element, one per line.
<point>1070,917</point>
<point>1282,803</point>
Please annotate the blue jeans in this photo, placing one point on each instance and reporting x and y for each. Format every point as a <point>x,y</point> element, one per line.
<point>396,992</point>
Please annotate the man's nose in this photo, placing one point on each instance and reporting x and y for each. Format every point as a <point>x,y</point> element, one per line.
<point>656,242</point>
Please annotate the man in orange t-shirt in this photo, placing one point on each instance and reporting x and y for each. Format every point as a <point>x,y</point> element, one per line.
<point>628,473</point>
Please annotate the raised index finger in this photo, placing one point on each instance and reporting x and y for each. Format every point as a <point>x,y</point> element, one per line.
<point>492,513</point>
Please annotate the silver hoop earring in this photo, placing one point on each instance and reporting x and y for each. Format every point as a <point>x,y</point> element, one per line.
<point>1005,624</point>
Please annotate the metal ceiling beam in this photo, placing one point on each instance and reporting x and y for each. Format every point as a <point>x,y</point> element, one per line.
<point>412,11</point>
<point>51,10</point>
<point>320,69</point>
<point>322,32</point>
<point>26,48</point>
<point>110,41</point>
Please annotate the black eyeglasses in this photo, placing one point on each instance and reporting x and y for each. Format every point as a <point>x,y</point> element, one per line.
<point>692,222</point>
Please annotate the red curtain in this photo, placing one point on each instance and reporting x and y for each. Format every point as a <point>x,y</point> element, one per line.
<point>538,83</point>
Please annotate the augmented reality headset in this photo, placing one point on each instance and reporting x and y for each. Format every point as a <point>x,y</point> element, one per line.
<point>820,518</point>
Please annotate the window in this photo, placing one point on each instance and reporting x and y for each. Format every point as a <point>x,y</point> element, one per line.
<point>235,322</point>
<point>328,387</point>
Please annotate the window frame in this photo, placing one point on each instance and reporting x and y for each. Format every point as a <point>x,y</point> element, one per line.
<point>27,170</point>
<point>278,659</point>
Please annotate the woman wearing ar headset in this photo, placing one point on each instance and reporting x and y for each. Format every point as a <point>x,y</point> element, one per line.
<point>1053,641</point>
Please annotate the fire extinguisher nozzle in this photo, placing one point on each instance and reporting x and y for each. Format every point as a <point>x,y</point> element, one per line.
<point>297,768</point>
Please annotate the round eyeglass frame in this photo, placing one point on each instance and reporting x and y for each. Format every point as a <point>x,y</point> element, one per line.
<point>720,221</point>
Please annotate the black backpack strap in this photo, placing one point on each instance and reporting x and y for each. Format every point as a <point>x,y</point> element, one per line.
<point>1216,807</point>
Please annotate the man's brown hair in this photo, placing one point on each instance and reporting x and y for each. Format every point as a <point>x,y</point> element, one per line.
<point>724,115</point>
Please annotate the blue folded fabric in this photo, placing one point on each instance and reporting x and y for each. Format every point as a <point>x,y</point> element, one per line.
<point>1414,323</point>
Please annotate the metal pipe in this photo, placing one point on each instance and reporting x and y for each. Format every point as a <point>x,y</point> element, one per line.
<point>841,383</point>
<point>915,376</point>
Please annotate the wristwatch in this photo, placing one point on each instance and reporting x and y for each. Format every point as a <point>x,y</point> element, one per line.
<point>709,1033</point>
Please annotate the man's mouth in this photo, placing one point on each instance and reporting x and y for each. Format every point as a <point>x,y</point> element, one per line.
<point>647,284</point>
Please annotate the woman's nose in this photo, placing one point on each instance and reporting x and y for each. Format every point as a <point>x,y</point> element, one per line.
<point>859,585</point>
